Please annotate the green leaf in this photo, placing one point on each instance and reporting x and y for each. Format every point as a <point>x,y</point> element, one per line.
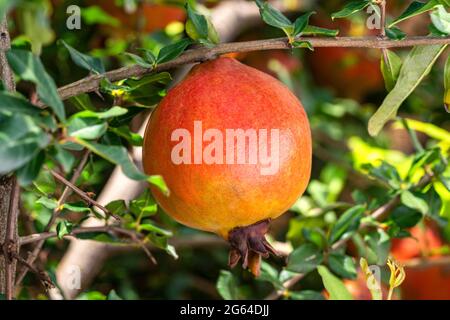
<point>441,19</point>
<point>197,25</point>
<point>117,207</point>
<point>334,285</point>
<point>301,23</point>
<point>305,295</point>
<point>14,102</point>
<point>173,50</point>
<point>63,228</point>
<point>390,68</point>
<point>96,15</point>
<point>84,129</point>
<point>227,286</point>
<point>92,64</point>
<point>125,132</point>
<point>272,16</point>
<point>350,8</point>
<point>302,44</point>
<point>64,157</point>
<point>48,203</point>
<point>148,90</point>
<point>110,113</point>
<point>414,202</point>
<point>140,61</point>
<point>30,68</point>
<point>270,274</point>
<point>380,244</point>
<point>150,227</point>
<point>119,156</point>
<point>405,217</point>
<point>305,258</point>
<point>318,31</point>
<point>79,206</point>
<point>395,33</point>
<point>30,171</point>
<point>414,9</point>
<point>82,102</point>
<point>416,66</point>
<point>143,206</point>
<point>342,265</point>
<point>347,223</point>
<point>20,141</point>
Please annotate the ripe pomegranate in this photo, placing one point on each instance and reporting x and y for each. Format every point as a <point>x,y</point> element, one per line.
<point>211,138</point>
<point>422,281</point>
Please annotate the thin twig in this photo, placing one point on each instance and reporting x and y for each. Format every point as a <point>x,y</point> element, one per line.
<point>83,194</point>
<point>62,199</point>
<point>92,83</point>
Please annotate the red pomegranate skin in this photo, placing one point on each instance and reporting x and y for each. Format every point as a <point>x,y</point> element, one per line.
<point>225,94</point>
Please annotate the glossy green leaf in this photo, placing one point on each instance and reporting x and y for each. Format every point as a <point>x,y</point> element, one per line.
<point>92,64</point>
<point>350,8</point>
<point>318,31</point>
<point>347,223</point>
<point>272,16</point>
<point>30,171</point>
<point>48,203</point>
<point>301,23</point>
<point>14,102</point>
<point>414,9</point>
<point>334,285</point>
<point>395,33</point>
<point>117,207</point>
<point>140,61</point>
<point>342,265</point>
<point>197,25</point>
<point>302,44</point>
<point>20,141</point>
<point>441,19</point>
<point>30,68</point>
<point>405,217</point>
<point>390,68</point>
<point>416,66</point>
<point>119,156</point>
<point>414,202</point>
<point>84,129</point>
<point>110,113</point>
<point>305,258</point>
<point>134,139</point>
<point>63,228</point>
<point>173,50</point>
<point>227,286</point>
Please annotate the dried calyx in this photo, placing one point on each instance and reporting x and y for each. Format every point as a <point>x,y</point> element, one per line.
<point>250,244</point>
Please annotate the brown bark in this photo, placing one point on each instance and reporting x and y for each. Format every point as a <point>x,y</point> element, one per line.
<point>9,189</point>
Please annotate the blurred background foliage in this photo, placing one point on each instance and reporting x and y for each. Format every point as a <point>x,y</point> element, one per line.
<point>340,89</point>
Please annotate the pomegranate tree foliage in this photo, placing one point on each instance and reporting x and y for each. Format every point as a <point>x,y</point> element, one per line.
<point>357,172</point>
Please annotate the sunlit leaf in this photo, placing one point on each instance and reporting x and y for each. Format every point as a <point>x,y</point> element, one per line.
<point>416,66</point>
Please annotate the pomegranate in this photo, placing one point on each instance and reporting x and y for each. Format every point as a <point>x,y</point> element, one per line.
<point>234,147</point>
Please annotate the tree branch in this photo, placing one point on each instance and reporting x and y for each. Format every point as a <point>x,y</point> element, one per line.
<point>92,83</point>
<point>62,199</point>
<point>83,194</point>
<point>9,233</point>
